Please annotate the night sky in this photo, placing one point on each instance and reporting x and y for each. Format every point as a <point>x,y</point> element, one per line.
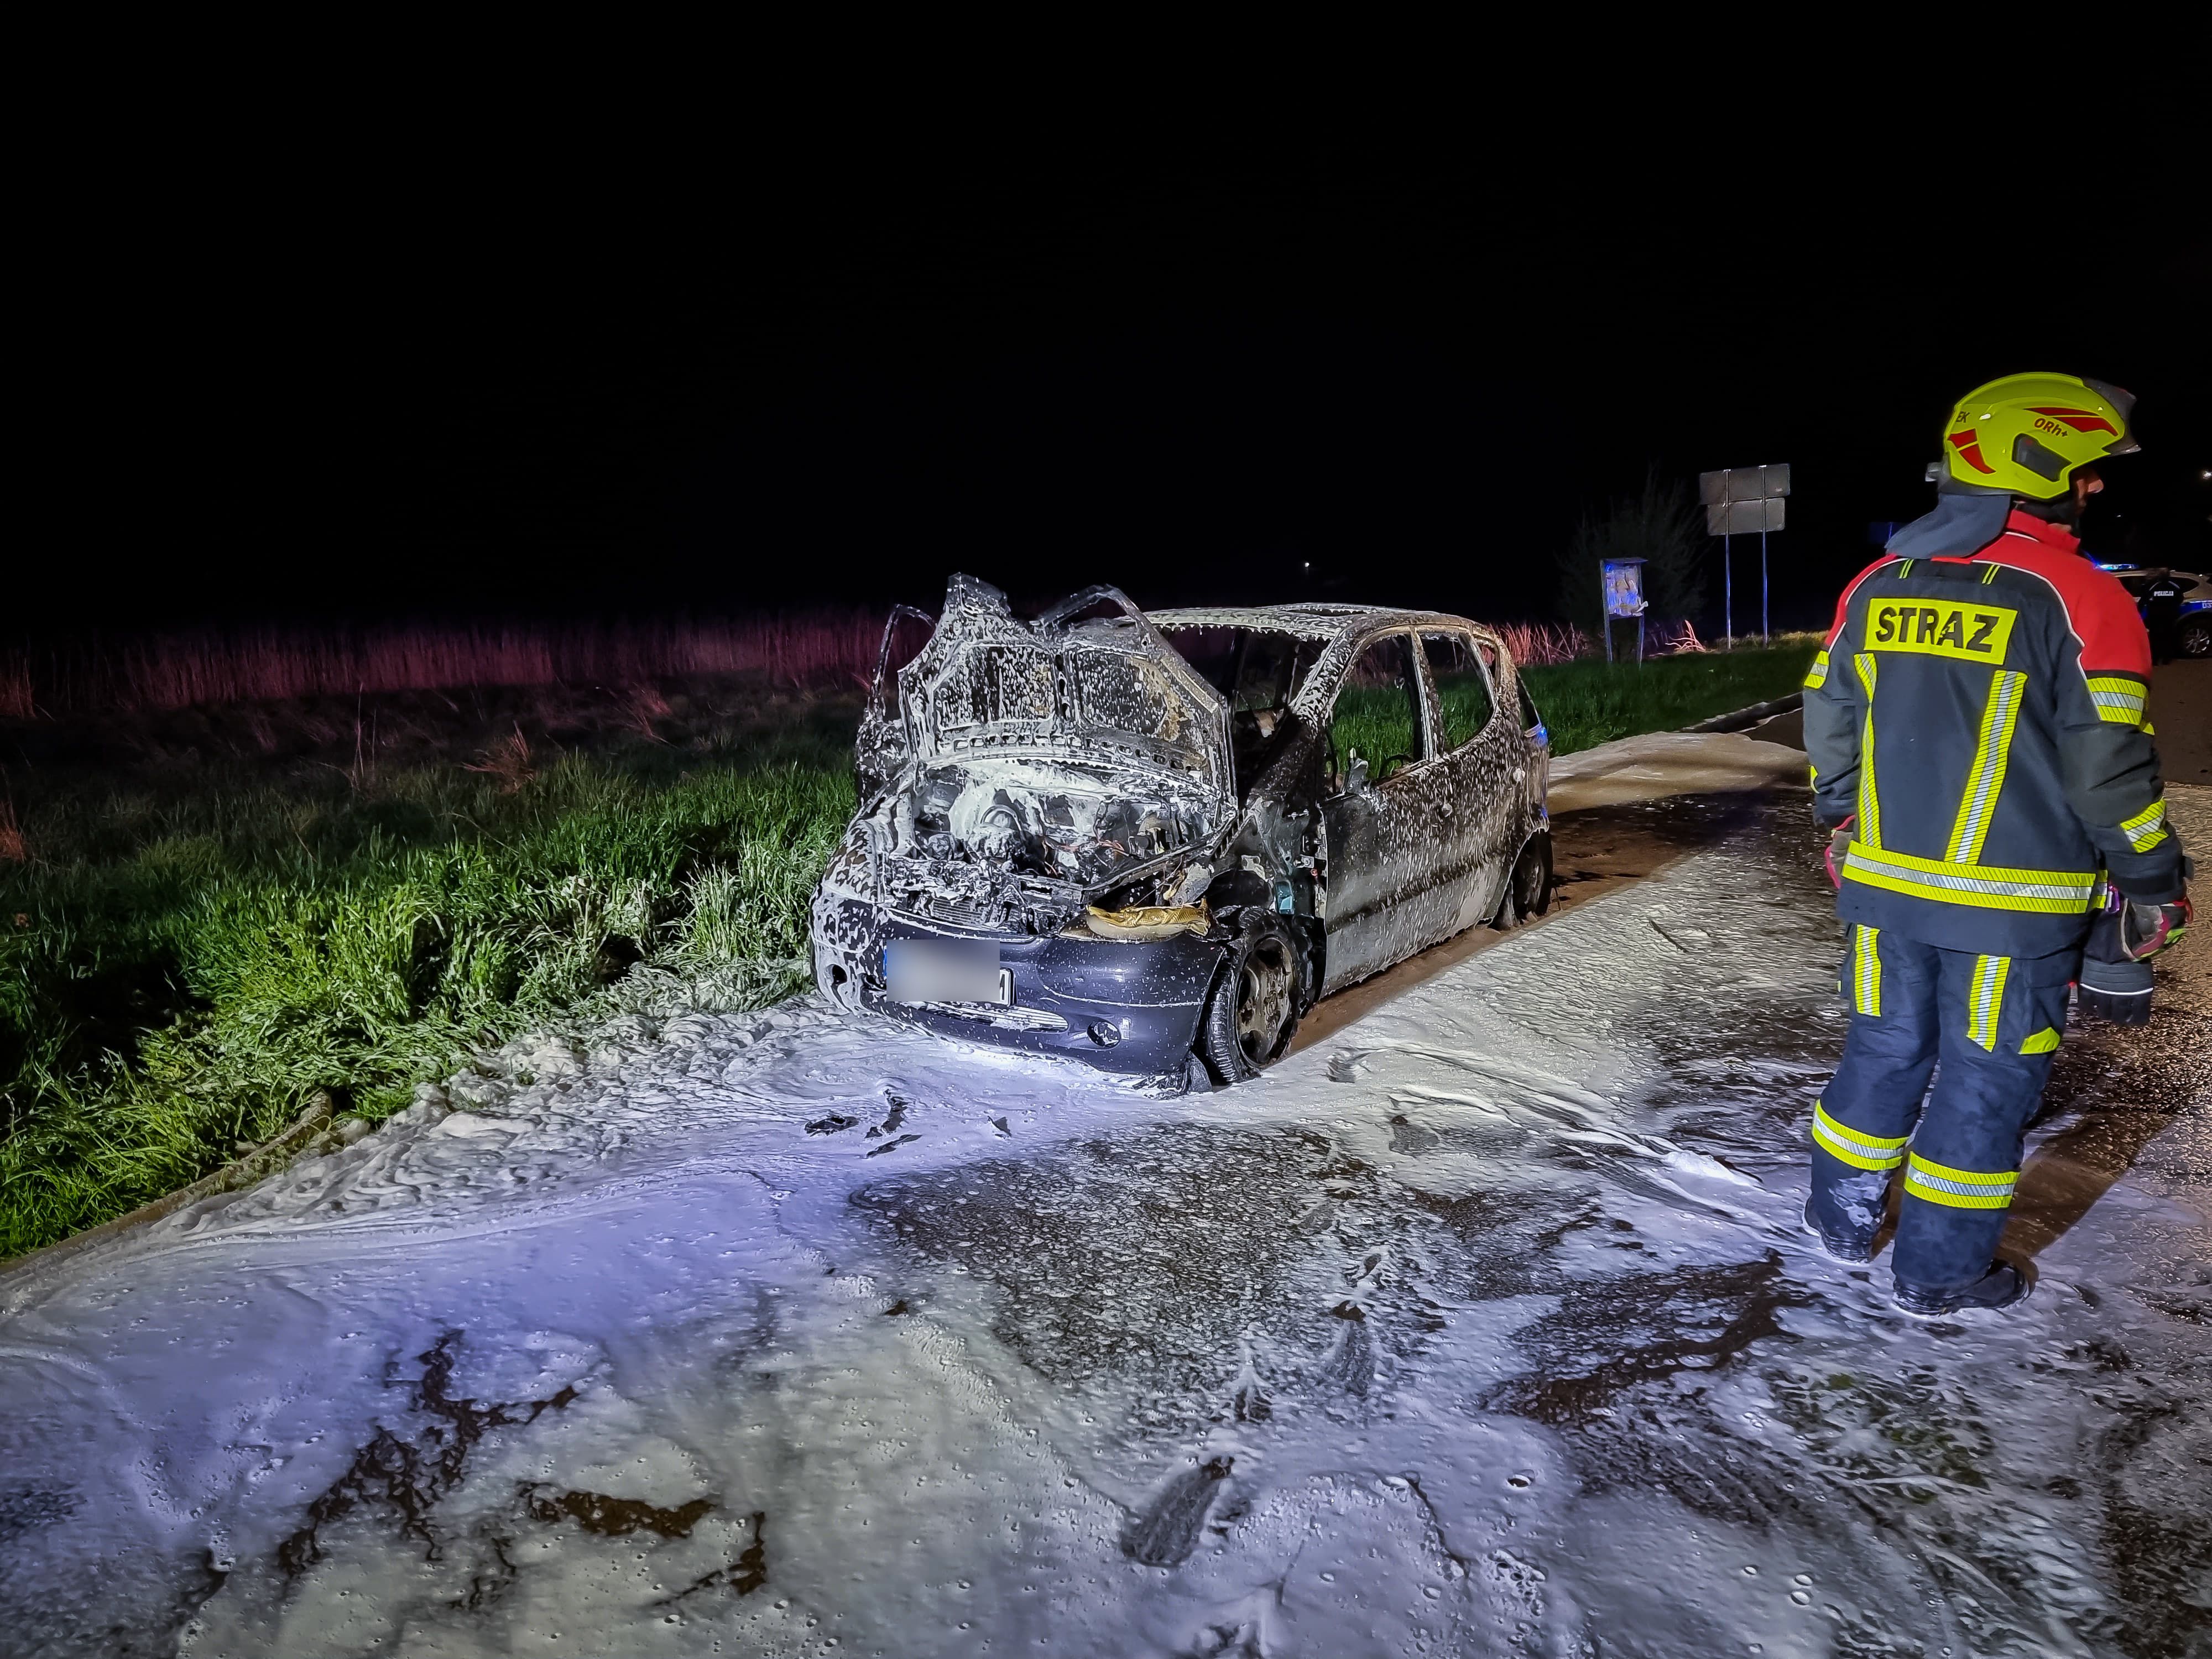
<point>534,375</point>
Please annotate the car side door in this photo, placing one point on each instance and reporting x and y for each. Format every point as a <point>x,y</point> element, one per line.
<point>1484,765</point>
<point>1383,799</point>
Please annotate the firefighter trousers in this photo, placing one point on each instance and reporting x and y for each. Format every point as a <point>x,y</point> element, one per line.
<point>1986,1029</point>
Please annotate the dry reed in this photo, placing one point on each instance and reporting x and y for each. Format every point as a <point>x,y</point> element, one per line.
<point>1537,644</point>
<point>15,701</point>
<point>509,761</point>
<point>182,668</point>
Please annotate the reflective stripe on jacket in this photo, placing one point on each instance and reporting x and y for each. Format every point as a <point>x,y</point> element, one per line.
<point>1982,715</point>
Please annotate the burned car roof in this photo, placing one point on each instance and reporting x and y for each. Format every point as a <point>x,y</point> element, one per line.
<point>1306,622</point>
<point>1339,630</point>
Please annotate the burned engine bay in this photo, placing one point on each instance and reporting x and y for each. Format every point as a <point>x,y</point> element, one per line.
<point>1040,840</point>
<point>1034,775</point>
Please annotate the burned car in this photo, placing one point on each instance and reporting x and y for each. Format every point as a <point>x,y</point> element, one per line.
<point>1153,842</point>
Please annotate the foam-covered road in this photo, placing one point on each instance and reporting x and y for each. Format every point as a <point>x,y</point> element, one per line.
<point>1484,1324</point>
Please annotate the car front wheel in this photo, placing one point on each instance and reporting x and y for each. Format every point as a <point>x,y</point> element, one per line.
<point>1253,1008</point>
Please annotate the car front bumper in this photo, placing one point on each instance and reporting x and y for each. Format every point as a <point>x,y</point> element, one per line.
<point>1127,1008</point>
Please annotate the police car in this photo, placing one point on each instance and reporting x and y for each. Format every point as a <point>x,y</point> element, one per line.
<point>2195,638</point>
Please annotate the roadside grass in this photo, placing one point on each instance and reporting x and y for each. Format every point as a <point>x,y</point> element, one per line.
<point>206,923</point>
<point>185,964</point>
<point>1590,701</point>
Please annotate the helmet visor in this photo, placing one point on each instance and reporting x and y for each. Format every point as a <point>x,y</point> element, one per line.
<point>2123,401</point>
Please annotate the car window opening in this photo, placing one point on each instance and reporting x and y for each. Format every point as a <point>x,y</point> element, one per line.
<point>1375,729</point>
<point>1461,671</point>
<point>1258,673</point>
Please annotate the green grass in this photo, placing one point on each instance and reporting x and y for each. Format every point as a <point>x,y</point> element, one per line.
<point>1589,702</point>
<point>182,966</point>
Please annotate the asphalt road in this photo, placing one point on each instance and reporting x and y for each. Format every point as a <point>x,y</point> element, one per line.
<point>2181,710</point>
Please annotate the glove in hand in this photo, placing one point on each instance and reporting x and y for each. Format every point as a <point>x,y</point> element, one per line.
<point>2147,929</point>
<point>1833,855</point>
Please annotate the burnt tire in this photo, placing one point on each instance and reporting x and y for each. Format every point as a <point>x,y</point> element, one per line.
<point>1529,889</point>
<point>1253,1007</point>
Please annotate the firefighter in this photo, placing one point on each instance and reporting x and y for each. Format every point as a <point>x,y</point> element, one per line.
<point>1980,753</point>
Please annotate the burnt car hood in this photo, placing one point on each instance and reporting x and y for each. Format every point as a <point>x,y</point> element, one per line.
<point>1105,690</point>
<point>1024,770</point>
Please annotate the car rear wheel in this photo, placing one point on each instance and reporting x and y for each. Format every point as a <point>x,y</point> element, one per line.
<point>2195,637</point>
<point>1253,1008</point>
<point>1528,891</point>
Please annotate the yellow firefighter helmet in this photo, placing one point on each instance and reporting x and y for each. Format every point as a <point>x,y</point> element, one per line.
<point>2026,434</point>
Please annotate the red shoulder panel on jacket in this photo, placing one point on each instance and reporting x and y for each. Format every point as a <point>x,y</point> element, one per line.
<point>1844,604</point>
<point>2100,612</point>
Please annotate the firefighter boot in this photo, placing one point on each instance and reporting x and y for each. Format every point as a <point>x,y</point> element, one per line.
<point>1844,1247</point>
<point>2000,1287</point>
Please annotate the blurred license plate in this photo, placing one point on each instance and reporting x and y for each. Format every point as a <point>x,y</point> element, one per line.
<point>919,970</point>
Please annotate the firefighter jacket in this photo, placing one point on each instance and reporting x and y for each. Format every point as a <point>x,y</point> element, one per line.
<point>1980,713</point>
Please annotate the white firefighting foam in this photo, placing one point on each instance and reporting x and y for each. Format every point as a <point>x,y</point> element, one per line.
<point>1488,1326</point>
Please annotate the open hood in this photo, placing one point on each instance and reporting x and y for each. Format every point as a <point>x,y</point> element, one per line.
<point>1069,686</point>
<point>1045,763</point>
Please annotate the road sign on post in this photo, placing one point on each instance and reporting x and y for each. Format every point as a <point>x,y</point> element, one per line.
<point>1623,581</point>
<point>1738,500</point>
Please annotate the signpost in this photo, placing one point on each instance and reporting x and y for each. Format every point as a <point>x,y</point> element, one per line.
<point>1623,581</point>
<point>1738,500</point>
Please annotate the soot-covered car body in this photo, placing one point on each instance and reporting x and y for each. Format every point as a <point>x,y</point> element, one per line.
<point>1136,839</point>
